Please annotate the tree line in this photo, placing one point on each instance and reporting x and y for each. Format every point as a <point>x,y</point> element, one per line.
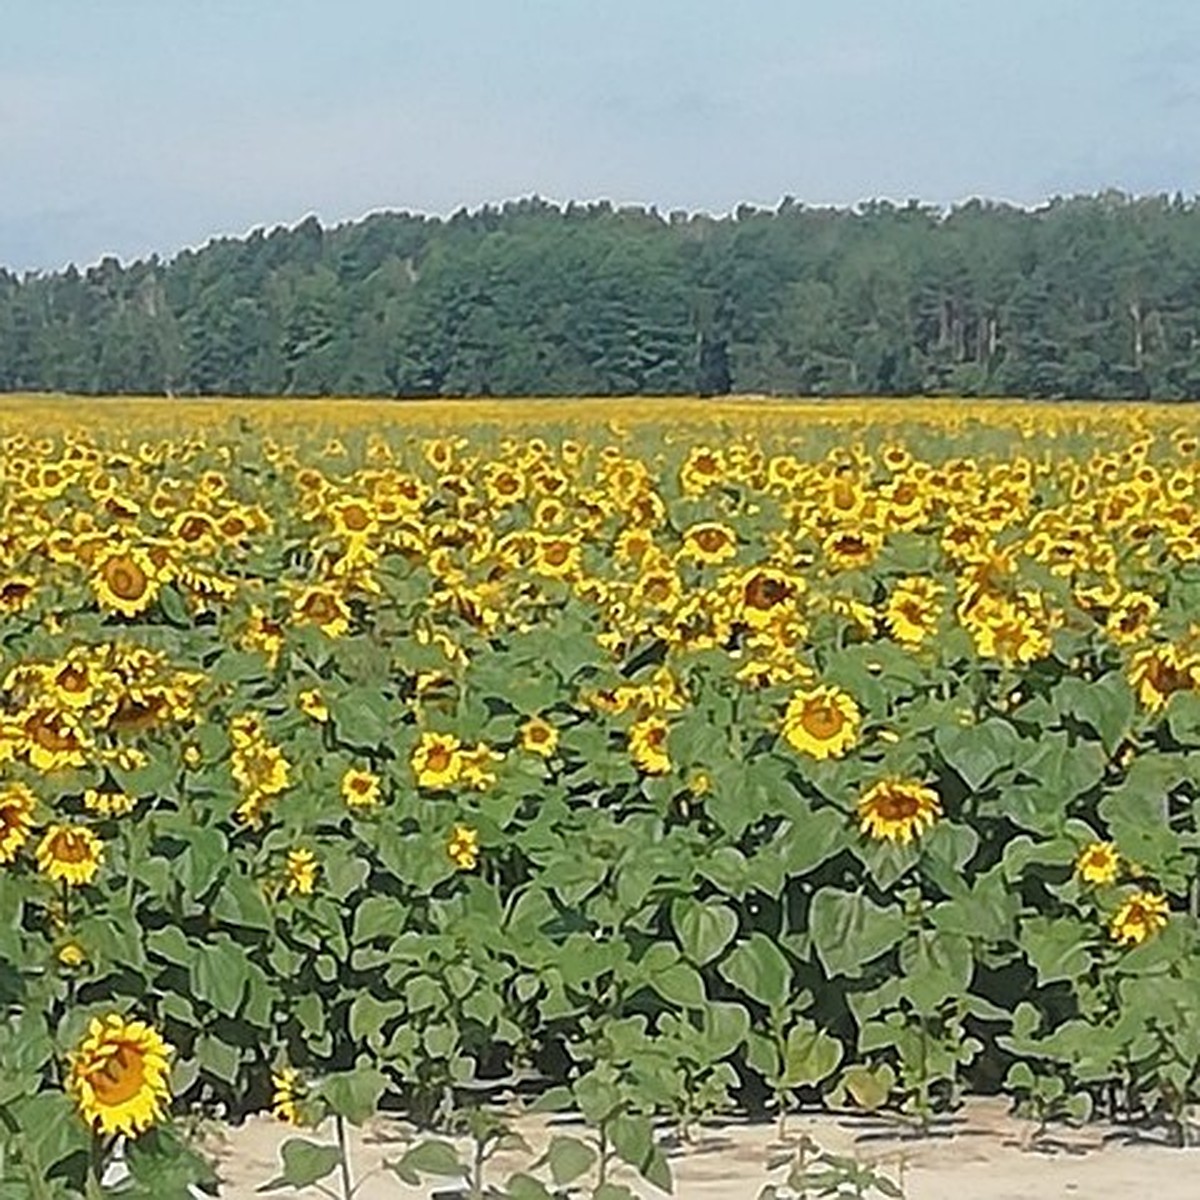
<point>1095,296</point>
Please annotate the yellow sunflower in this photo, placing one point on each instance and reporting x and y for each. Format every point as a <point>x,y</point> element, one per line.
<point>710,542</point>
<point>648,745</point>
<point>913,609</point>
<point>71,853</point>
<point>125,580</point>
<point>898,809</point>
<point>463,847</point>
<point>17,803</point>
<point>822,722</point>
<point>1140,916</point>
<point>312,705</point>
<point>288,1095</point>
<point>109,804</point>
<point>539,737</point>
<point>1098,863</point>
<point>119,1076</point>
<point>437,760</point>
<point>360,789</point>
<point>324,607</point>
<point>301,872</point>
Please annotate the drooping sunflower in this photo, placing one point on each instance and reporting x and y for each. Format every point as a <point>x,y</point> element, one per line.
<point>1140,916</point>
<point>1098,863</point>
<point>288,1095</point>
<point>898,810</point>
<point>125,580</point>
<point>1160,670</point>
<point>109,804</point>
<point>17,804</point>
<point>70,853</point>
<point>300,872</point>
<point>437,760</point>
<point>360,789</point>
<point>539,737</point>
<point>118,1076</point>
<point>821,721</point>
<point>463,847</point>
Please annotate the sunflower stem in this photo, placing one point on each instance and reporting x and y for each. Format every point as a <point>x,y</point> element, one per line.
<point>344,1148</point>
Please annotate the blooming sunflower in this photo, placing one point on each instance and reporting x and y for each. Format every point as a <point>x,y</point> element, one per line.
<point>301,871</point>
<point>312,705</point>
<point>913,609</point>
<point>647,745</point>
<point>323,607</point>
<point>119,1076</point>
<point>71,853</point>
<point>360,789</point>
<point>898,809</point>
<point>710,542</point>
<point>1098,863</point>
<point>539,737</point>
<point>463,847</point>
<point>437,760</point>
<point>17,803</point>
<point>125,580</point>
<point>1142,914</point>
<point>822,722</point>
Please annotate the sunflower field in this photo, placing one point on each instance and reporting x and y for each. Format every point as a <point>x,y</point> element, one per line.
<point>651,762</point>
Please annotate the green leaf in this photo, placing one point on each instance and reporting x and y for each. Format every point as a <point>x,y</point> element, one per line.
<point>304,1163</point>
<point>354,1094</point>
<point>219,975</point>
<point>758,967</point>
<point>377,916</point>
<point>569,1158</point>
<point>703,929</point>
<point>810,1055</point>
<point>868,1087</point>
<point>1057,947</point>
<point>430,1157</point>
<point>362,717</point>
<point>977,752</point>
<point>681,984</point>
<point>849,931</point>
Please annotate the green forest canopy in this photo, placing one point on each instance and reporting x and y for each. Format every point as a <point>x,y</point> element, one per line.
<point>1089,296</point>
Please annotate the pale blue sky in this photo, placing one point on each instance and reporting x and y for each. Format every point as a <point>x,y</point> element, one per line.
<point>131,126</point>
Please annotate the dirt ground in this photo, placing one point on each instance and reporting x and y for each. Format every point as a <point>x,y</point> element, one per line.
<point>982,1153</point>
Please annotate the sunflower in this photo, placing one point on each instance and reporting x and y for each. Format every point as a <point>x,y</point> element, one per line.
<point>476,766</point>
<point>1142,914</point>
<point>764,594</point>
<point>17,803</point>
<point>125,580</point>
<point>109,804</point>
<point>16,592</point>
<point>119,1076</point>
<point>287,1096</point>
<point>913,609</point>
<point>324,607</point>
<point>71,955</point>
<point>539,737</point>
<point>848,548</point>
<point>822,722</point>
<point>898,809</point>
<point>556,557</point>
<point>312,705</point>
<point>463,847</point>
<point>647,745</point>
<point>301,871</point>
<point>1098,863</point>
<point>360,789</point>
<point>71,853</point>
<point>437,760</point>
<point>1158,671</point>
<point>710,542</point>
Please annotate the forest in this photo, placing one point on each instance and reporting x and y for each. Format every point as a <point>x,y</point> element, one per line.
<point>1089,296</point>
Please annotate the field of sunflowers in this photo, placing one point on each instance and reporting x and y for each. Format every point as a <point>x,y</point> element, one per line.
<point>648,760</point>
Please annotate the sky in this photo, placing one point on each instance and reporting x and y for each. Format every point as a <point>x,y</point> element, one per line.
<point>130,127</point>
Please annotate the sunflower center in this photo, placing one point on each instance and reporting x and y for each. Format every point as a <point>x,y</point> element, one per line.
<point>823,720</point>
<point>763,591</point>
<point>320,608</point>
<point>41,729</point>
<point>897,806</point>
<point>710,540</point>
<point>125,578</point>
<point>438,759</point>
<point>121,1077</point>
<point>355,517</point>
<point>557,553</point>
<point>69,847</point>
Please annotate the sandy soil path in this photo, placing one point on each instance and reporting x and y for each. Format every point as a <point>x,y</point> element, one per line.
<point>982,1154</point>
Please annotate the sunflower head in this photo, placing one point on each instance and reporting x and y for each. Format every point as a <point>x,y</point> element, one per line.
<point>118,1076</point>
<point>1098,863</point>
<point>897,810</point>
<point>463,847</point>
<point>71,854</point>
<point>300,872</point>
<point>17,804</point>
<point>437,760</point>
<point>1139,917</point>
<point>821,721</point>
<point>360,789</point>
<point>539,737</point>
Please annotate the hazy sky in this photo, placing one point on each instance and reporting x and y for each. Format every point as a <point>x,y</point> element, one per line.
<point>131,126</point>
